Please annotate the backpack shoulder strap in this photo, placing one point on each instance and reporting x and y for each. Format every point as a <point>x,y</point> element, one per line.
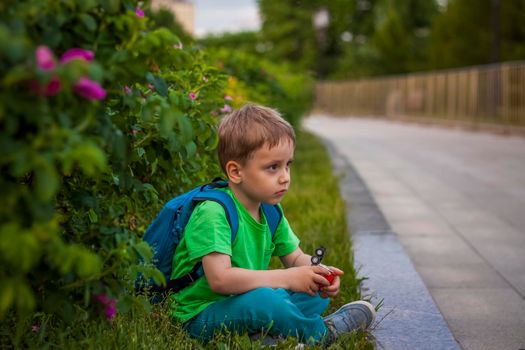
<point>273,216</point>
<point>221,197</point>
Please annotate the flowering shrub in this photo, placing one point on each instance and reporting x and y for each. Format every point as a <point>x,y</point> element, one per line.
<point>102,119</point>
<point>256,79</point>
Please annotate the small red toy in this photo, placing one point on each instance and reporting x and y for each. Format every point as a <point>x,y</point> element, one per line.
<point>316,260</point>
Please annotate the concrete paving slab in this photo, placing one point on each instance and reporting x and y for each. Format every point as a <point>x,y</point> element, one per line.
<point>484,319</point>
<point>473,184</point>
<point>407,212</point>
<point>408,317</point>
<point>435,251</point>
<point>460,276</point>
<point>503,250</point>
<point>422,227</point>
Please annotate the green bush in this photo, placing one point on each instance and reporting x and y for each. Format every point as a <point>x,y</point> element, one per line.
<point>256,79</point>
<point>83,174</point>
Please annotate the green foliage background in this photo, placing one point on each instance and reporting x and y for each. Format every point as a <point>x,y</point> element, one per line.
<point>82,179</point>
<point>380,37</point>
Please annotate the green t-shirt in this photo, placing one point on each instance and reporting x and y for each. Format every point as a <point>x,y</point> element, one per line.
<point>208,231</point>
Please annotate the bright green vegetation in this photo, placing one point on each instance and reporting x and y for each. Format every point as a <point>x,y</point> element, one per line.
<point>317,214</point>
<point>382,37</point>
<point>85,168</point>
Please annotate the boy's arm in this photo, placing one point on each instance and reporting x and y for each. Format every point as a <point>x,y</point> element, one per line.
<point>296,258</point>
<point>225,279</point>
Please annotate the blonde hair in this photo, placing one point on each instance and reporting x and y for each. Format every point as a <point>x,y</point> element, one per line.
<point>247,129</point>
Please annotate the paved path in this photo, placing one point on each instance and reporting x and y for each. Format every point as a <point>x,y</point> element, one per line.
<point>456,202</point>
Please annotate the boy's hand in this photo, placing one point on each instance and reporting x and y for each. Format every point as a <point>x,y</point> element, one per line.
<point>307,279</point>
<point>333,289</point>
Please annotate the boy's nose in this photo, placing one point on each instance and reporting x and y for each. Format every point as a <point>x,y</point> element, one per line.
<point>285,177</point>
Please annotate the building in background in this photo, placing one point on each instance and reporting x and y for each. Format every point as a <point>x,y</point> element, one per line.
<point>183,10</point>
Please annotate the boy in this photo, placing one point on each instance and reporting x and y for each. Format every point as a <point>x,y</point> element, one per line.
<point>238,291</point>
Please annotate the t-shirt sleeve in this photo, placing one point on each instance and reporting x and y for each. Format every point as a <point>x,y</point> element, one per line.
<point>285,239</point>
<point>208,231</point>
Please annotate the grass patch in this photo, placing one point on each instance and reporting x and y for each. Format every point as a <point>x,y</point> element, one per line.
<point>316,213</point>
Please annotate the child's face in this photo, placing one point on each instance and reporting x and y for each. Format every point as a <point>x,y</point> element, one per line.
<point>265,177</point>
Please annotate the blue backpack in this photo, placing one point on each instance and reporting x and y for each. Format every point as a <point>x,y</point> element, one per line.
<point>165,232</point>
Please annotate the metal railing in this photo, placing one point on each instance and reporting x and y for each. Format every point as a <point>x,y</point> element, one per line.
<point>484,94</point>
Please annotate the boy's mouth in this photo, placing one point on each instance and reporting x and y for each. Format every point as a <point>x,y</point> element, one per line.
<point>281,192</point>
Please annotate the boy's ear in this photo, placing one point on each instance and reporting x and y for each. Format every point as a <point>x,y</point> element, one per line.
<point>233,171</point>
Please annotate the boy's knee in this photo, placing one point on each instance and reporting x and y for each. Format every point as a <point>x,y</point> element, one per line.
<point>270,301</point>
<point>265,296</point>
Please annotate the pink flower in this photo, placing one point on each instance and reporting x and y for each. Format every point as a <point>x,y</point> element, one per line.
<point>76,53</point>
<point>35,328</point>
<point>178,46</point>
<point>109,304</point>
<point>139,12</point>
<point>151,87</point>
<point>127,90</point>
<point>51,89</point>
<point>192,96</point>
<point>89,89</point>
<point>228,98</point>
<point>226,109</point>
<point>45,61</point>
<point>44,58</point>
<point>111,309</point>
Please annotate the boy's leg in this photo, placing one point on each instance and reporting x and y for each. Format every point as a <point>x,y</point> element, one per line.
<point>309,306</point>
<point>262,309</point>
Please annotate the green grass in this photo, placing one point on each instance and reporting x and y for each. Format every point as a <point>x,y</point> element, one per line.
<point>315,211</point>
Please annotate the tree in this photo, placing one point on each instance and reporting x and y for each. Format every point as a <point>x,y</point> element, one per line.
<point>287,28</point>
<point>388,37</point>
<point>461,35</point>
<point>464,33</point>
<point>402,33</point>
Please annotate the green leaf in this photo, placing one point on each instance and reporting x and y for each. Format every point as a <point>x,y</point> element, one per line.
<point>174,97</point>
<point>158,277</point>
<point>144,251</point>
<point>191,149</point>
<point>154,166</point>
<point>88,21</point>
<point>90,158</point>
<point>111,6</point>
<point>25,299</point>
<point>116,179</point>
<point>7,295</point>
<point>87,264</point>
<point>46,184</point>
<point>96,71</point>
<point>93,217</point>
<point>26,252</point>
<point>186,129</point>
<point>86,5</point>
<point>159,83</point>
<point>166,123</point>
<point>16,75</point>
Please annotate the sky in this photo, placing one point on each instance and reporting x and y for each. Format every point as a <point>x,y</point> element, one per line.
<point>217,16</point>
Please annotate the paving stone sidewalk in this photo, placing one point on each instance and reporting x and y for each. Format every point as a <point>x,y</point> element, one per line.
<point>454,201</point>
